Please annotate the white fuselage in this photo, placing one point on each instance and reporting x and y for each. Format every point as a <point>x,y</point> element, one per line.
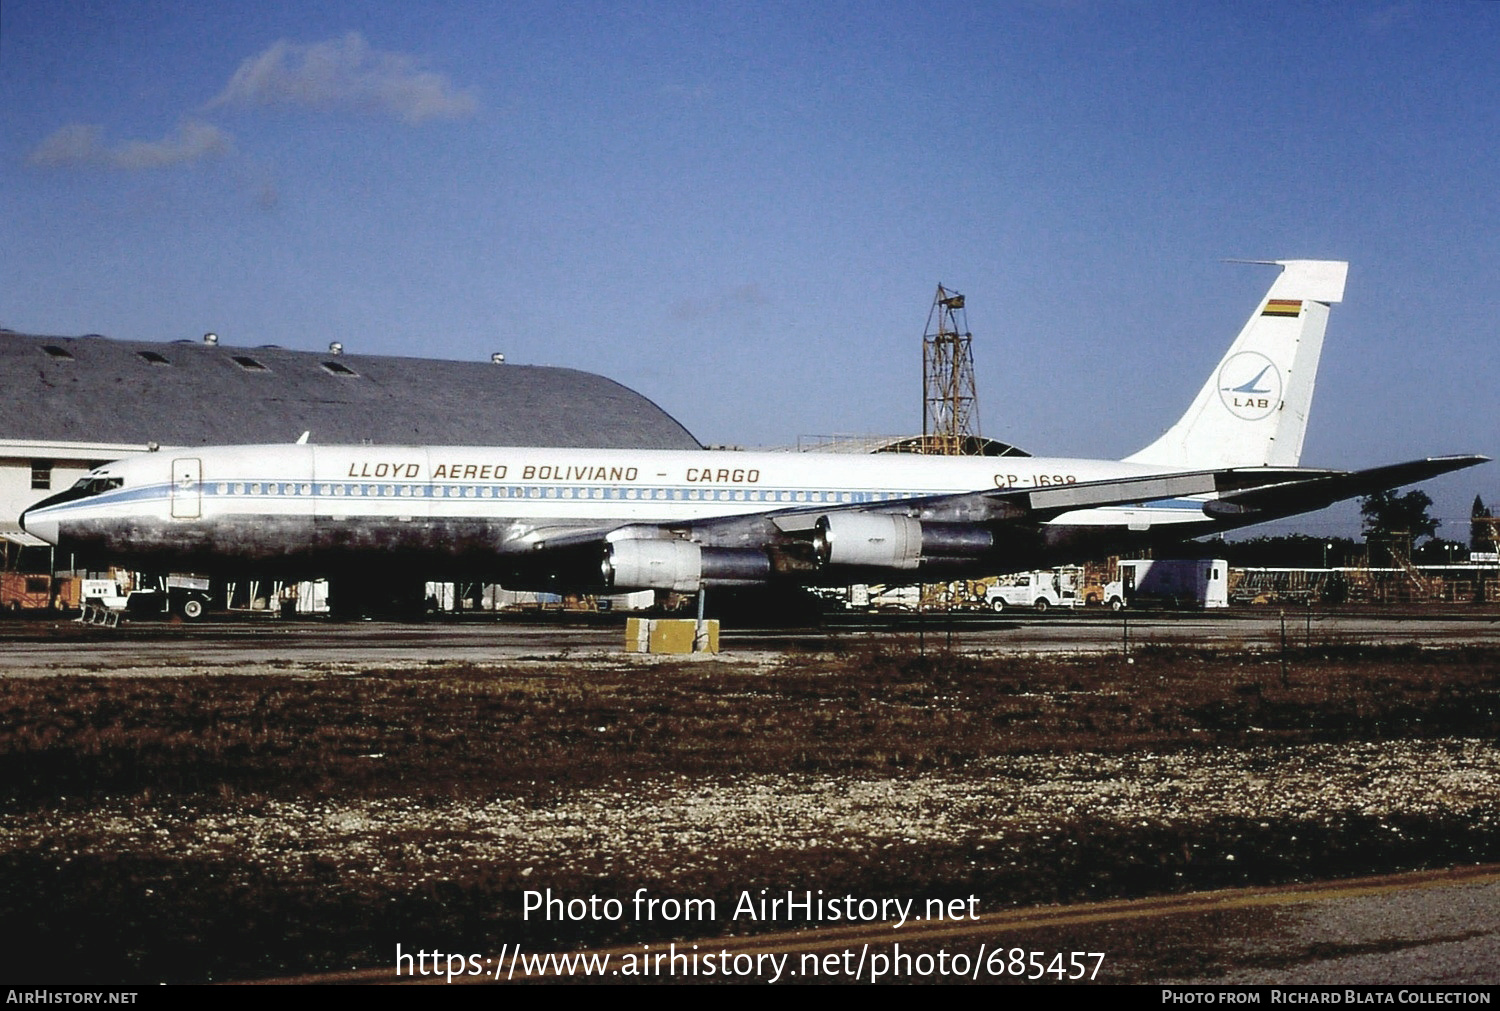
<point>313,509</point>
<point>562,487</point>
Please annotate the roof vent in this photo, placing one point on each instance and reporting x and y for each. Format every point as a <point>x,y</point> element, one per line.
<point>154,357</point>
<point>335,348</point>
<point>497,359</point>
<point>54,351</point>
<point>338,369</point>
<point>248,364</point>
<point>210,338</point>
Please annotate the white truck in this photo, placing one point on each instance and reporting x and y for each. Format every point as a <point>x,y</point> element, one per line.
<point>1039,590</point>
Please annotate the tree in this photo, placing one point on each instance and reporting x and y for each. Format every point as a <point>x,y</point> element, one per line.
<point>1438,551</point>
<point>1481,534</point>
<point>1397,522</point>
<point>1387,514</point>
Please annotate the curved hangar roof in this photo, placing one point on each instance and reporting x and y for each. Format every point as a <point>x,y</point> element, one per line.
<point>94,389</point>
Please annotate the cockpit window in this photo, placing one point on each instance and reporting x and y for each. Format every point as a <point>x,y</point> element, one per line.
<point>93,485</point>
<point>85,487</point>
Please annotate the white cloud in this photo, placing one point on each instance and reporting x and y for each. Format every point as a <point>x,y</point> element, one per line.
<point>192,142</point>
<point>345,73</point>
<point>83,144</point>
<point>74,144</point>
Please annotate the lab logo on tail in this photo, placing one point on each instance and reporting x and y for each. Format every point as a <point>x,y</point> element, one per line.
<point>1250,385</point>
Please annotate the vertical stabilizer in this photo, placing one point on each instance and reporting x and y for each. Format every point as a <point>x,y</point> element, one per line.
<point>1253,409</point>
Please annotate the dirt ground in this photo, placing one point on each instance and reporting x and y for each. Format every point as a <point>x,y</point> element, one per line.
<point>241,823</point>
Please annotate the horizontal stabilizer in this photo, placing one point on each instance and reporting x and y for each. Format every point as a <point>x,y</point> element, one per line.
<point>1302,496</point>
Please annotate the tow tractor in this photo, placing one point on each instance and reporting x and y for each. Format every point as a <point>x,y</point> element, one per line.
<point>104,603</point>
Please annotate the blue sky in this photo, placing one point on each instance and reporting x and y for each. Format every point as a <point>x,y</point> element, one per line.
<point>742,210</point>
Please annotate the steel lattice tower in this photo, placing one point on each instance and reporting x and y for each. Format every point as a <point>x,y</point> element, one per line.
<point>950,403</point>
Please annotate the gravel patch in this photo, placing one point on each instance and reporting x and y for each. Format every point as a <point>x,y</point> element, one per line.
<point>666,828</point>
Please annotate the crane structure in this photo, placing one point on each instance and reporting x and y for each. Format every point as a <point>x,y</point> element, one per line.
<point>950,402</point>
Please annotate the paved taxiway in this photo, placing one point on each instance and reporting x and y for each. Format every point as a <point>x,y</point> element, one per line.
<point>30,647</point>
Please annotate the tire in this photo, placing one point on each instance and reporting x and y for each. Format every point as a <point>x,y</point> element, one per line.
<point>1116,604</point>
<point>1041,605</point>
<point>998,604</point>
<point>193,608</point>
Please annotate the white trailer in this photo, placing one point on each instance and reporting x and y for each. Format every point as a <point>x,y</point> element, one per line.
<point>1172,582</point>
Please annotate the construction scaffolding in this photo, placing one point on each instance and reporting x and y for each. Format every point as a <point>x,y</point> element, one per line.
<point>1362,584</point>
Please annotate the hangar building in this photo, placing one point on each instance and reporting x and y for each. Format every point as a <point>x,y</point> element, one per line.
<point>71,403</point>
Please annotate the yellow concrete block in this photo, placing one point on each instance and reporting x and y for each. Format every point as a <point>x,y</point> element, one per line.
<point>669,635</point>
<point>637,635</point>
<point>672,635</point>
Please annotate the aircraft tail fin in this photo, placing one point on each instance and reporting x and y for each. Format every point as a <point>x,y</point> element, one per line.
<point>1253,410</point>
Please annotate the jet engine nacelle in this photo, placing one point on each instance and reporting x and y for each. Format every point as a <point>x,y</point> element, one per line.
<point>889,541</point>
<point>681,566</point>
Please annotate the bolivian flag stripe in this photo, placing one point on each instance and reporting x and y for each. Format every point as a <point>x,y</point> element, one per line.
<point>1283,307</point>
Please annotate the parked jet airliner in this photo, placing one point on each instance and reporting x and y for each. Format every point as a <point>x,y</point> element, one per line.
<point>631,519</point>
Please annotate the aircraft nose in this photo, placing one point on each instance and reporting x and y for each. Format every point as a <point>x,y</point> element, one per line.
<point>39,527</point>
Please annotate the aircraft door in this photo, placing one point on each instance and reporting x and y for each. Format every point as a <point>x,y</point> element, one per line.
<point>187,489</point>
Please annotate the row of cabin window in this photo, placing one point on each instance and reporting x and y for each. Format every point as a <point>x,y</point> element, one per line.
<point>469,491</point>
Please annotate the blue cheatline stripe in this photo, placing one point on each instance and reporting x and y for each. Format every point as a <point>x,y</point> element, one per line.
<point>142,494</point>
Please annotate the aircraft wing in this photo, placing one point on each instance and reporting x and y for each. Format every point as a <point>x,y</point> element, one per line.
<point>1035,505</point>
<point>1000,504</point>
<point>947,532</point>
<point>1038,505</point>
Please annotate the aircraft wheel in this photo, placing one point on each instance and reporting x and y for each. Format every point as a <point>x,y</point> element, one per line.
<point>192,609</point>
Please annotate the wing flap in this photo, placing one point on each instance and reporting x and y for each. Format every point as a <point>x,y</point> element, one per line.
<point>1063,498</point>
